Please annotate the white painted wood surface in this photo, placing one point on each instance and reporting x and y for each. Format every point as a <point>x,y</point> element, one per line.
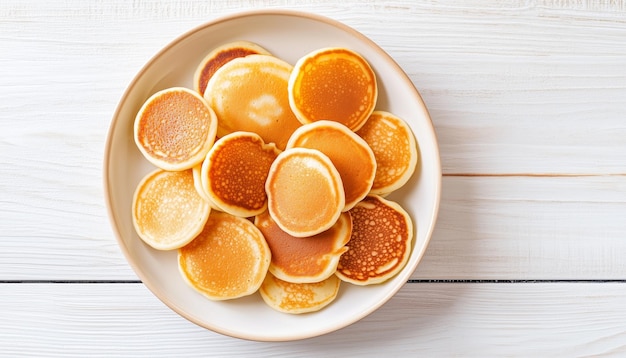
<point>426,319</point>
<point>529,102</point>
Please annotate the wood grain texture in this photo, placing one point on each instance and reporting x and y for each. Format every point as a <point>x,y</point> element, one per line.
<point>525,228</point>
<point>437,319</point>
<point>529,228</point>
<point>528,101</point>
<point>63,83</point>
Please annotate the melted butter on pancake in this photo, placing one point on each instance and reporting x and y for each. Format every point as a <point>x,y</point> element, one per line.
<point>263,108</point>
<point>380,245</point>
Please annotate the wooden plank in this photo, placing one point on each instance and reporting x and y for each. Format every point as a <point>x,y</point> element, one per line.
<point>488,228</point>
<point>535,90</point>
<point>432,319</point>
<point>529,228</point>
<point>515,88</point>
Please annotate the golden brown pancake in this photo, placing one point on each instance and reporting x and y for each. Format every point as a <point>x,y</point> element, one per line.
<point>296,298</point>
<point>175,128</point>
<point>350,154</point>
<point>380,244</point>
<point>395,149</point>
<point>167,210</point>
<point>235,170</point>
<point>304,191</point>
<point>335,84</point>
<point>221,55</point>
<point>305,259</point>
<point>250,94</point>
<point>228,259</point>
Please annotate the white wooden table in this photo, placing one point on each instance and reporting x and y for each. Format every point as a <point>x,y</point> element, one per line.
<point>528,258</point>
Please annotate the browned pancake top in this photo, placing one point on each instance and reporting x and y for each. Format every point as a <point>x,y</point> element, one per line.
<point>228,259</point>
<point>337,85</point>
<point>237,171</point>
<point>304,256</point>
<point>299,298</point>
<point>380,242</point>
<point>394,147</point>
<point>167,210</point>
<point>349,153</point>
<point>174,126</point>
<point>305,193</point>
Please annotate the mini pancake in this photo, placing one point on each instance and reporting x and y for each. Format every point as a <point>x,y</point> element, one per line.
<point>380,244</point>
<point>350,154</point>
<point>305,259</point>
<point>250,94</point>
<point>335,84</point>
<point>221,55</point>
<point>297,298</point>
<point>197,182</point>
<point>175,128</point>
<point>167,210</point>
<point>395,149</point>
<point>228,259</point>
<point>305,193</point>
<point>236,169</point>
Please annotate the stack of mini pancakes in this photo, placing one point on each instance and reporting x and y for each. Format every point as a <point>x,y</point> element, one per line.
<point>271,177</point>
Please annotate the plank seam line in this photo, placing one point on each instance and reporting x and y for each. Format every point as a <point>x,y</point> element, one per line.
<point>69,281</point>
<point>521,281</point>
<point>415,281</point>
<point>533,175</point>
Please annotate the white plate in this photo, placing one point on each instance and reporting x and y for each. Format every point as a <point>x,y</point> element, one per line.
<point>288,35</point>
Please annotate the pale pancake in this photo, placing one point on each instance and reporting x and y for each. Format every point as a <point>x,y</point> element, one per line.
<point>305,259</point>
<point>335,84</point>
<point>395,149</point>
<point>167,210</point>
<point>250,94</point>
<point>350,154</point>
<point>175,128</point>
<point>236,169</point>
<point>228,259</point>
<point>305,192</point>
<point>297,298</point>
<point>380,245</point>
<point>221,55</point>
